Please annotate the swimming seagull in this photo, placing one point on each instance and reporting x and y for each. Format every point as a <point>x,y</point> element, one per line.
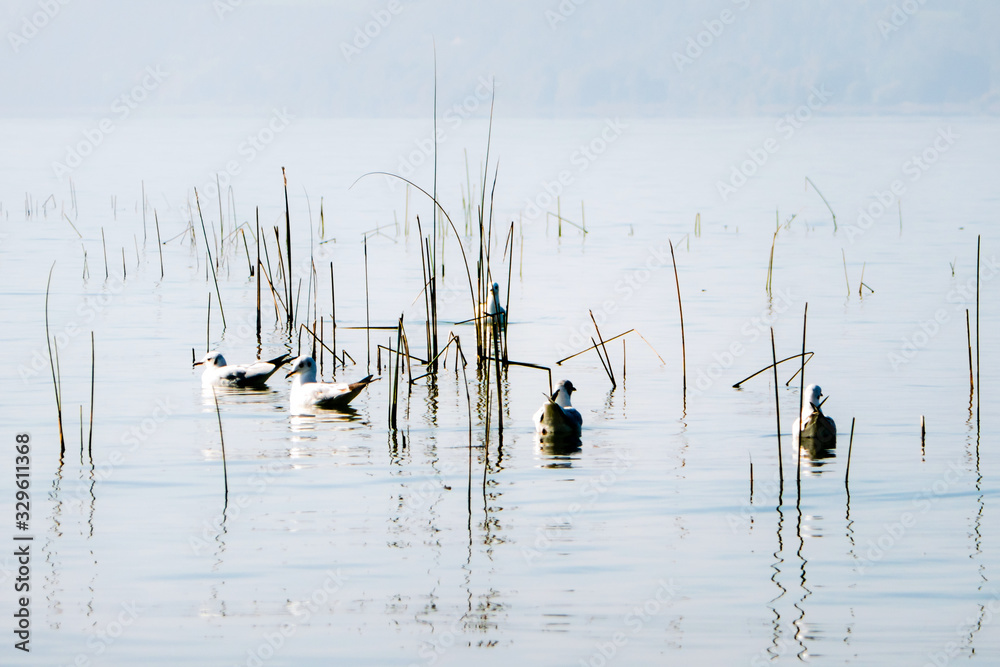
<point>814,430</point>
<point>558,418</point>
<point>308,394</point>
<point>241,376</point>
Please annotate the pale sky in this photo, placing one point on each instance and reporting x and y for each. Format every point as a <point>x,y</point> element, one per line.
<point>555,58</point>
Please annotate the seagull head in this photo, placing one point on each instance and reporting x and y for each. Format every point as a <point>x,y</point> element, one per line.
<point>305,368</point>
<point>213,358</point>
<point>561,395</point>
<point>814,393</point>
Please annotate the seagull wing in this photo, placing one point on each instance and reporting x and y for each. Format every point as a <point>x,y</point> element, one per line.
<point>231,376</point>
<point>553,420</point>
<point>574,416</point>
<point>337,395</point>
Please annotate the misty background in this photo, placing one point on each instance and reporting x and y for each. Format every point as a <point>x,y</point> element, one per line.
<point>568,58</point>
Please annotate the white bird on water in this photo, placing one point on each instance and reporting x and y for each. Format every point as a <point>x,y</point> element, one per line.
<point>558,418</point>
<point>813,429</point>
<point>308,394</point>
<point>494,311</point>
<point>241,376</point>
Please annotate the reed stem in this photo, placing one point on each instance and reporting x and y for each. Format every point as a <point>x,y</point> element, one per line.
<point>777,412</point>
<point>802,397</point>
<point>52,364</point>
<point>850,447</point>
<point>825,202</point>
<point>680,308</point>
<point>979,384</point>
<point>288,252</point>
<point>159,244</point>
<point>607,358</point>
<point>368,321</point>
<point>90,436</point>
<point>208,250</point>
<point>218,414</point>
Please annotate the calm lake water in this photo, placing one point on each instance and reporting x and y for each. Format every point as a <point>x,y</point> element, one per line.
<point>340,542</point>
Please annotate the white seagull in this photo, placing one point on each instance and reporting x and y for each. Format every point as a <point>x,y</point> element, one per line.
<point>813,429</point>
<point>308,394</point>
<point>557,418</point>
<point>241,376</point>
<point>493,308</point>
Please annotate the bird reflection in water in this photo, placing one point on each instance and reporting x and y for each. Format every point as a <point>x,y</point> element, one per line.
<point>557,452</point>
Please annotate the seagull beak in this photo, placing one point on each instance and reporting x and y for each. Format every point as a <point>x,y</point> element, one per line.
<point>291,373</point>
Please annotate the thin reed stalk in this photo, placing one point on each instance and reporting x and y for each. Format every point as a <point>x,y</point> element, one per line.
<point>623,361</point>
<point>368,320</point>
<point>222,219</point>
<point>850,447</point>
<point>608,340</point>
<point>222,440</point>
<point>607,358</point>
<point>468,402</point>
<point>246,249</point>
<point>52,364</point>
<point>496,356</point>
<point>968,342</point>
<point>394,394</point>
<point>333,315</point>
<point>159,244</point>
<point>90,436</point>
<point>208,250</point>
<point>777,412</point>
<point>825,202</point>
<point>604,364</point>
<point>680,308</point>
<point>208,325</point>
<point>846,279</point>
<point>288,252</point>
<point>104,244</point>
<point>979,384</point>
<point>809,356</point>
<point>802,396</point>
<point>258,267</point>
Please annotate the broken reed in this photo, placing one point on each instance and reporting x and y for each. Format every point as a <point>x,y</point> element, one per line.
<point>809,182</point>
<point>605,360</point>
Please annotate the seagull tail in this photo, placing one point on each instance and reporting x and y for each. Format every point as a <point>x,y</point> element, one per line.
<point>280,361</point>
<point>362,383</point>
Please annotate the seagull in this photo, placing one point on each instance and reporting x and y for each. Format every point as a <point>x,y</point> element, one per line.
<point>242,376</point>
<point>308,394</point>
<point>557,418</point>
<point>814,430</point>
<point>494,311</point>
